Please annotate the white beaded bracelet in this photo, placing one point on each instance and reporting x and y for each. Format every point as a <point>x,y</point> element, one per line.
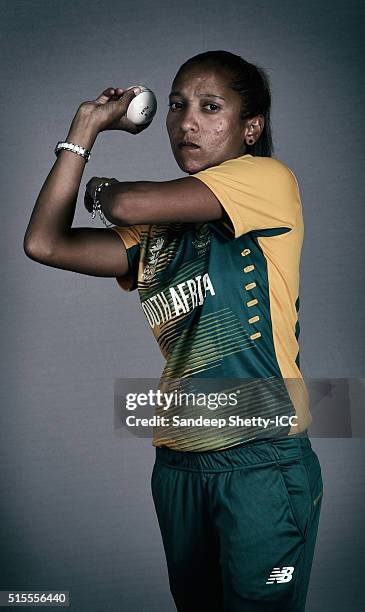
<point>70,146</point>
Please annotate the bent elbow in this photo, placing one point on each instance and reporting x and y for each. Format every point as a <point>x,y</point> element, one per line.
<point>36,250</point>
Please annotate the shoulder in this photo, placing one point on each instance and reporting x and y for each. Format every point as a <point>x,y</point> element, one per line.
<point>276,166</point>
<point>259,179</point>
<point>250,165</point>
<point>274,172</point>
<point>269,165</point>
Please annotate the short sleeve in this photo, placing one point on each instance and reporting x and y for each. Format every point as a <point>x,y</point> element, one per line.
<point>131,237</point>
<point>256,193</point>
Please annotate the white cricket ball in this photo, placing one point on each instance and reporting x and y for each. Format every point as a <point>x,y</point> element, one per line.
<point>143,107</point>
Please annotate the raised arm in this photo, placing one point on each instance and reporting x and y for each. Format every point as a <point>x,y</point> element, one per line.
<point>49,238</point>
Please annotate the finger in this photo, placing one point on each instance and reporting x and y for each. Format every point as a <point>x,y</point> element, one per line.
<point>128,96</point>
<point>105,96</point>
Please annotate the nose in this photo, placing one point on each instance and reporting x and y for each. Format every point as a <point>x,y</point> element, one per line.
<point>189,122</point>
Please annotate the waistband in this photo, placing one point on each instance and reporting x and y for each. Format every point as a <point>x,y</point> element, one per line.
<point>255,453</point>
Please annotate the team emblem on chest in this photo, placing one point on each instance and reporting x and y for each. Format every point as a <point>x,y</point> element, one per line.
<point>202,238</point>
<point>153,254</point>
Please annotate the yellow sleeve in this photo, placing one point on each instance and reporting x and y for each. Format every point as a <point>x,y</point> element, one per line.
<point>255,192</point>
<point>131,237</point>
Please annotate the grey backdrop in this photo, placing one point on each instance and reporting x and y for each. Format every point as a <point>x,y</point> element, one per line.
<point>76,509</point>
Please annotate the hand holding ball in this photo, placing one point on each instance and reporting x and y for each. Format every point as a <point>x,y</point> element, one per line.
<point>143,107</point>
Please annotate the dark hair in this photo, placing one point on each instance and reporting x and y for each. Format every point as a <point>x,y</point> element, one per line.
<point>252,84</point>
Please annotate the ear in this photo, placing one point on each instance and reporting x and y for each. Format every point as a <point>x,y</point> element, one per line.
<point>253,129</point>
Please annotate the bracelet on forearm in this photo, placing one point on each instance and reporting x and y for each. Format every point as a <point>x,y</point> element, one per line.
<point>97,205</point>
<point>74,148</point>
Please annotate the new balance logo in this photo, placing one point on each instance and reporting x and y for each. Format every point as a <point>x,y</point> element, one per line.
<point>281,575</point>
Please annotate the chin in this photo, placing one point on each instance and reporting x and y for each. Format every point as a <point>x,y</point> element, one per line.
<point>190,167</point>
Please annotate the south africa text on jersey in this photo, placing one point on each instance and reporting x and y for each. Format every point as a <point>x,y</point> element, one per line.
<point>177,300</point>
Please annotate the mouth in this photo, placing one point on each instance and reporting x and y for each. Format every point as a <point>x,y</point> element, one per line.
<point>188,146</point>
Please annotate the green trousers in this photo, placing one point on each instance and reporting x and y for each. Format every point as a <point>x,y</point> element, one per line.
<point>239,526</point>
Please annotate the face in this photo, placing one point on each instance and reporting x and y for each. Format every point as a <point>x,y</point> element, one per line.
<point>204,110</point>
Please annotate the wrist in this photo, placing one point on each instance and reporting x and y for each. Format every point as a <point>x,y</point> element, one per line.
<point>83,130</point>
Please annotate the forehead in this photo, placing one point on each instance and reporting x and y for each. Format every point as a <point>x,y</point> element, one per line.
<point>200,79</point>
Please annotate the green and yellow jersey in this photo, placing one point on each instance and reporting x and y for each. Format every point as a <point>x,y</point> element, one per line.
<point>222,300</point>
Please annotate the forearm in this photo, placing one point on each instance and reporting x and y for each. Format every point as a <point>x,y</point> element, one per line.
<point>54,210</point>
<point>119,201</point>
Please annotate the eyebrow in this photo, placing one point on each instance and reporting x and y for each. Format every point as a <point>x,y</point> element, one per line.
<point>178,93</point>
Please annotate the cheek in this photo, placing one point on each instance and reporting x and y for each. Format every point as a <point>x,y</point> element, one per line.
<point>219,129</point>
<point>221,134</point>
<point>218,132</point>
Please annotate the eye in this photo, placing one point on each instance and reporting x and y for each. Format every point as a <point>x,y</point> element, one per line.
<point>211,104</point>
<point>170,105</point>
<point>213,107</point>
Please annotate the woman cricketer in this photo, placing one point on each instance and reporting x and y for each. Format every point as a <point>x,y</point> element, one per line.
<point>215,257</point>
